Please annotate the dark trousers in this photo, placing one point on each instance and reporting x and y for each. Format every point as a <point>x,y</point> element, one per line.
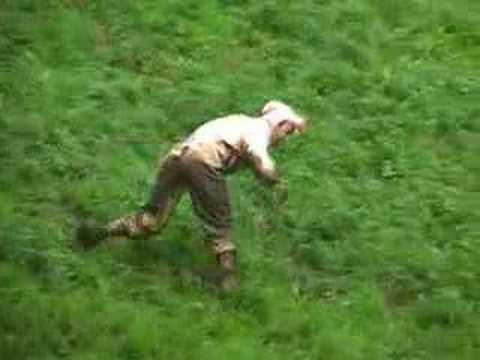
<point>181,171</point>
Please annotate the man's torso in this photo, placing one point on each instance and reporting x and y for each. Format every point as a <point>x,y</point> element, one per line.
<point>224,143</point>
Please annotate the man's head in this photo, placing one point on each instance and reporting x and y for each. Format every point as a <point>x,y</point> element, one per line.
<point>283,120</point>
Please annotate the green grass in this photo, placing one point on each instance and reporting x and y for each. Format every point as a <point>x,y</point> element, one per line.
<point>374,255</point>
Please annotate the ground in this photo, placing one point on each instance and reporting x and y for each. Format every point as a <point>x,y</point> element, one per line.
<point>374,253</point>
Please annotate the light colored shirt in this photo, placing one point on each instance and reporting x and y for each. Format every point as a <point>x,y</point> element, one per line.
<point>225,142</point>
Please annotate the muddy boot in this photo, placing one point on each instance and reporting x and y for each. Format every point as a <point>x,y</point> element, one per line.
<point>228,280</point>
<point>89,235</point>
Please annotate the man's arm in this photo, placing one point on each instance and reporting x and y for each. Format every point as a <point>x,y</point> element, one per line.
<point>257,142</point>
<point>264,168</point>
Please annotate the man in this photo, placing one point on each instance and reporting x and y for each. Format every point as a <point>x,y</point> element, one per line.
<point>199,164</point>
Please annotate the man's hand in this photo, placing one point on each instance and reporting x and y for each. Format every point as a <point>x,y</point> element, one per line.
<point>265,170</point>
<point>280,192</point>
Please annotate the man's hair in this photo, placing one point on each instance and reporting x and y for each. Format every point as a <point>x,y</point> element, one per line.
<point>274,105</point>
<point>276,112</point>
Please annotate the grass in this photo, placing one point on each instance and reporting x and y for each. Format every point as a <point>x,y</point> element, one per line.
<point>374,255</point>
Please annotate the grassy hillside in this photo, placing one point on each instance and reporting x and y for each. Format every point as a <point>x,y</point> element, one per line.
<point>374,255</point>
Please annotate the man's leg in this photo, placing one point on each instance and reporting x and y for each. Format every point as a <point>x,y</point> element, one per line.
<point>153,216</point>
<point>211,203</point>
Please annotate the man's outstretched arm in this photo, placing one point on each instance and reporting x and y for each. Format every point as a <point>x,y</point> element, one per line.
<point>264,169</point>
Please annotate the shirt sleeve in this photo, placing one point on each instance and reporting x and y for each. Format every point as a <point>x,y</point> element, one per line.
<point>262,162</point>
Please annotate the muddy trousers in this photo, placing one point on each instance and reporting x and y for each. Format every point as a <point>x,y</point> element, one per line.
<point>209,195</point>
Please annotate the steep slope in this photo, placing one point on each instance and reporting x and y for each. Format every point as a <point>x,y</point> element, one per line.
<point>373,255</point>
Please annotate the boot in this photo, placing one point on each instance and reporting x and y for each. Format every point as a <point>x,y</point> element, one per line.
<point>89,235</point>
<point>229,280</point>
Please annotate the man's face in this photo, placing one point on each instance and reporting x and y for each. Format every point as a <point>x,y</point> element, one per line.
<point>283,119</point>
<point>286,128</point>
<point>283,130</point>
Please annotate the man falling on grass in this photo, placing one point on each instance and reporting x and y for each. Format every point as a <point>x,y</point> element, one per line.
<point>199,164</point>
